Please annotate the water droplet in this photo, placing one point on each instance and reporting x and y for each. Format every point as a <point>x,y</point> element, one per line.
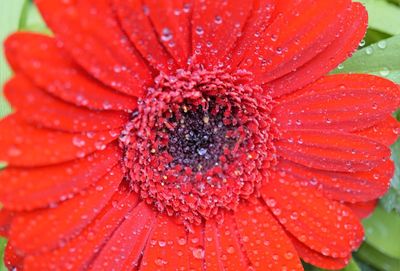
<point>218,20</point>
<point>107,105</point>
<point>384,72</point>
<point>382,44</point>
<point>369,50</point>
<point>202,151</point>
<point>198,253</point>
<point>78,142</point>
<point>100,145</point>
<point>231,250</point>
<point>166,34</point>
<point>199,30</point>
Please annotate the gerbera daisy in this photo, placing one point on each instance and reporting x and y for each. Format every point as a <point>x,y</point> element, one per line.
<point>191,135</point>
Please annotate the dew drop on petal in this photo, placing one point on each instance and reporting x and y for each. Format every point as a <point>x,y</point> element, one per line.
<point>78,142</point>
<point>198,253</point>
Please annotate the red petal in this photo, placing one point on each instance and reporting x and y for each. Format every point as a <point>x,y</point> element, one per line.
<point>216,26</point>
<point>301,31</point>
<point>317,259</point>
<point>45,229</point>
<point>196,238</point>
<point>223,247</point>
<point>135,21</point>
<point>343,186</point>
<point>347,40</point>
<point>260,18</point>
<point>385,132</point>
<point>263,239</point>
<point>167,248</point>
<point>92,35</point>
<point>12,259</point>
<point>79,252</point>
<point>340,102</point>
<point>310,217</point>
<point>25,145</point>
<point>5,222</point>
<point>331,150</point>
<point>53,70</point>
<point>128,242</point>
<point>213,260</point>
<point>36,107</point>
<point>171,19</point>
<point>27,189</point>
<point>363,209</point>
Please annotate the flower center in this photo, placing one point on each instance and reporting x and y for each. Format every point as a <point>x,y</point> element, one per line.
<point>200,142</point>
<point>200,137</point>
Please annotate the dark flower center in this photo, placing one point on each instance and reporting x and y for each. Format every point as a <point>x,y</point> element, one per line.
<point>201,141</point>
<point>200,138</point>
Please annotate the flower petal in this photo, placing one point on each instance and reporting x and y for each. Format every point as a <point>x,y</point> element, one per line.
<point>363,209</point>
<point>262,15</point>
<point>12,259</point>
<point>135,20</point>
<point>300,30</point>
<point>92,35</point>
<point>216,26</point>
<point>317,259</point>
<point>46,229</point>
<point>347,40</point>
<point>26,189</point>
<point>126,245</point>
<point>331,150</point>
<point>223,246</point>
<point>5,222</point>
<point>339,102</point>
<point>43,60</point>
<point>342,186</point>
<point>168,247</point>
<point>81,251</point>
<point>309,216</point>
<point>263,239</point>
<point>24,145</point>
<point>385,132</point>
<point>196,239</point>
<point>171,20</point>
<point>35,106</point>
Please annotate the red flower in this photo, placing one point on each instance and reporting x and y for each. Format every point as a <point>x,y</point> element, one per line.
<point>191,135</point>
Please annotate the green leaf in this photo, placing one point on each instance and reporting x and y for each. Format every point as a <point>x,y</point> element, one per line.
<point>373,36</point>
<point>376,259</point>
<point>364,266</point>
<point>380,59</point>
<point>391,201</point>
<point>2,247</point>
<point>383,16</point>
<point>382,231</point>
<point>9,19</point>
<point>352,266</point>
<point>32,20</point>
<point>397,2</point>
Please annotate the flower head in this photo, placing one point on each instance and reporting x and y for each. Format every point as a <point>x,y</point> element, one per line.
<point>191,135</point>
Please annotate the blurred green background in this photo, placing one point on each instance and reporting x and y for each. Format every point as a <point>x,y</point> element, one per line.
<point>379,54</point>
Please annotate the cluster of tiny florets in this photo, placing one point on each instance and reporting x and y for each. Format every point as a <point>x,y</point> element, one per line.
<point>200,141</point>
